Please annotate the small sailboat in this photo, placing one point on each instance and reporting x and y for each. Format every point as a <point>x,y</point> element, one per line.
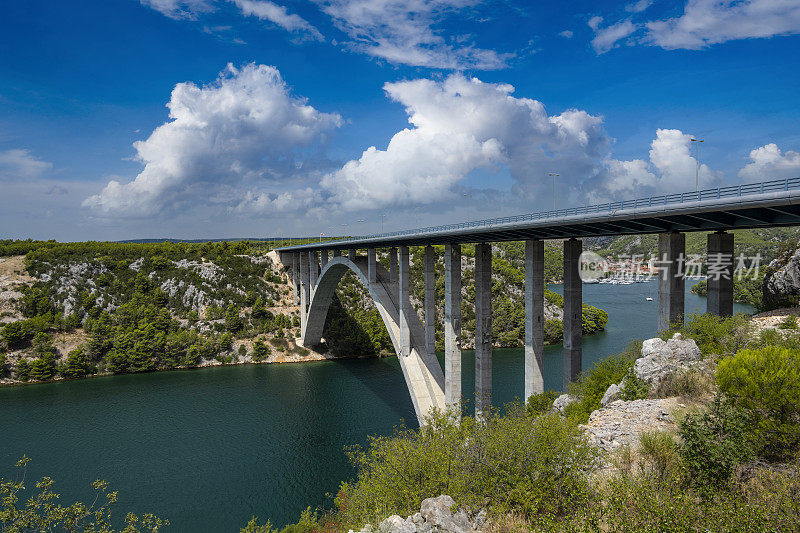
<point>649,299</point>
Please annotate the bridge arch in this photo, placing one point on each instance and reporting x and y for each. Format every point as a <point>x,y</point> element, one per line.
<point>421,370</point>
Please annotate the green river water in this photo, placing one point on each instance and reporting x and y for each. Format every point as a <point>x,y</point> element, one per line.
<point>209,448</point>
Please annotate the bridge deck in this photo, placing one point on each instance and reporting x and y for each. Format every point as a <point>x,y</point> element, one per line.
<point>767,204</point>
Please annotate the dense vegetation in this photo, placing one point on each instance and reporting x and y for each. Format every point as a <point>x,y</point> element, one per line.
<point>144,307</point>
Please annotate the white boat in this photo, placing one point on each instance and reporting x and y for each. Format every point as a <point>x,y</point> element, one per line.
<point>649,299</point>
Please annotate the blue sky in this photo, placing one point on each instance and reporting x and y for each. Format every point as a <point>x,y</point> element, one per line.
<point>299,116</point>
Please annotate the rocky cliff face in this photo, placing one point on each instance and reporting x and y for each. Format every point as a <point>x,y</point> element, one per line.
<point>782,286</point>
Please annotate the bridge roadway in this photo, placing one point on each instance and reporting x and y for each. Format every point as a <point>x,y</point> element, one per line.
<point>767,204</point>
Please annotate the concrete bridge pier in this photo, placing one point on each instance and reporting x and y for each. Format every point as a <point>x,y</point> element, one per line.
<point>393,273</point>
<point>483,330</point>
<point>352,255</point>
<point>430,300</point>
<point>404,303</point>
<point>372,267</point>
<point>534,317</point>
<point>313,270</point>
<point>337,253</point>
<point>452,324</point>
<point>719,269</point>
<point>296,277</point>
<point>671,279</point>
<point>323,259</point>
<point>573,311</point>
<point>305,295</point>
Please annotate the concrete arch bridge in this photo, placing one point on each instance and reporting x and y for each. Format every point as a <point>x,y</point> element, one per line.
<point>315,276</point>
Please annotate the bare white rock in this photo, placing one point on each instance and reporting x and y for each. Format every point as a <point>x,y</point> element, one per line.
<point>660,357</point>
<point>611,394</point>
<point>560,403</point>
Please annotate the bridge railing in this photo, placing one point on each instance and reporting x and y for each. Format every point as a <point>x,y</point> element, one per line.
<point>731,191</point>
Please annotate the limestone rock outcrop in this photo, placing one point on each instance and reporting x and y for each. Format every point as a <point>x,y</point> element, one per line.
<point>435,515</point>
<point>781,288</point>
<point>660,358</point>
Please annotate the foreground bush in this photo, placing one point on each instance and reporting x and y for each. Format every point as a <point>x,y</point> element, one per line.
<point>713,443</point>
<point>42,512</point>
<point>529,465</point>
<point>592,384</point>
<point>714,334</point>
<point>766,382</point>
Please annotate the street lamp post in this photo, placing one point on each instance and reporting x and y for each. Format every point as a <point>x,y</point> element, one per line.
<point>383,217</point>
<point>697,177</point>
<point>469,215</point>
<point>554,175</point>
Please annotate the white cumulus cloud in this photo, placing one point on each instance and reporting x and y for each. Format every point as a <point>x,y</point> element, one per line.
<point>459,125</point>
<point>403,32</point>
<point>243,132</point>
<point>671,168</point>
<point>266,10</point>
<point>769,163</point>
<point>20,164</point>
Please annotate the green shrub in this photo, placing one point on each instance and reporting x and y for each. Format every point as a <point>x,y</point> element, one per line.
<point>790,322</point>
<point>634,388</point>
<point>260,351</point>
<point>540,403</point>
<point>772,337</point>
<point>76,365</point>
<point>713,443</point>
<point>659,456</point>
<point>714,334</point>
<point>42,511</point>
<point>766,381</point>
<point>635,504</point>
<point>687,384</point>
<point>531,465</point>
<point>593,384</point>
<point>14,334</point>
<point>23,370</point>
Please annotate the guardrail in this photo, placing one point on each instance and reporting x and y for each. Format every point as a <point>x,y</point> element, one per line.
<point>731,191</point>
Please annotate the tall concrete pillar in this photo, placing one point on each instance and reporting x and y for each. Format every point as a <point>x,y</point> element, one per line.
<point>671,279</point>
<point>313,269</point>
<point>304,292</point>
<point>452,324</point>
<point>393,265</point>
<point>430,300</point>
<point>573,311</point>
<point>296,278</point>
<point>534,317</point>
<point>372,266</point>
<point>483,330</point>
<point>404,303</point>
<point>352,255</point>
<point>323,258</point>
<point>337,253</point>
<point>719,269</point>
